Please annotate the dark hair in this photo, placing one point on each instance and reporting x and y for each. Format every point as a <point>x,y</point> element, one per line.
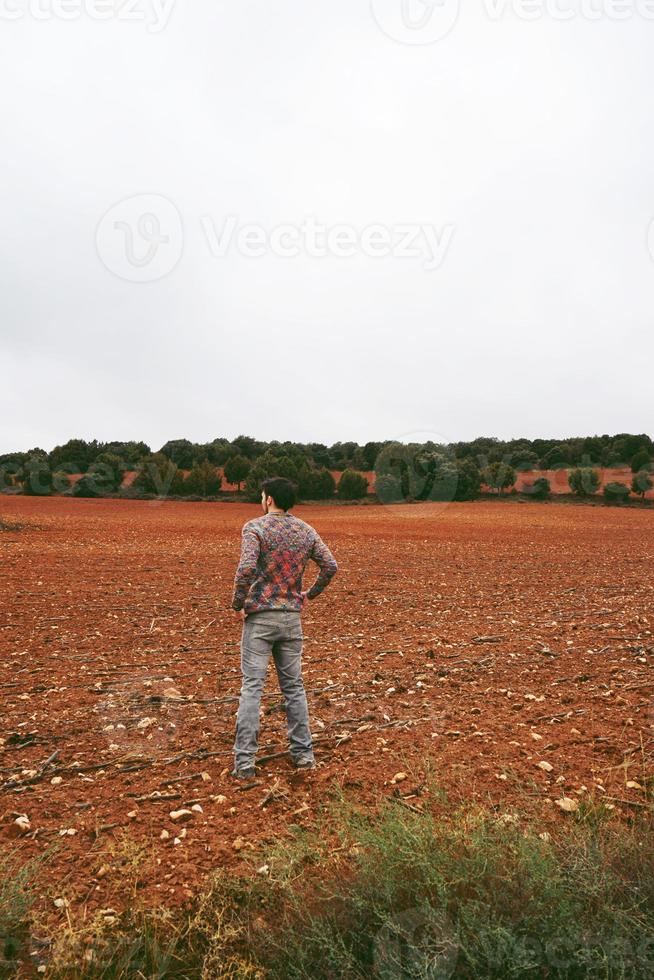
<point>282,491</point>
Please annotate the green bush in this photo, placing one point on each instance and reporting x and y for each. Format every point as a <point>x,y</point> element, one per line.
<point>352,485</point>
<point>584,481</point>
<point>403,894</point>
<point>203,480</point>
<point>316,484</point>
<point>616,493</point>
<point>641,483</point>
<point>18,892</point>
<point>540,489</point>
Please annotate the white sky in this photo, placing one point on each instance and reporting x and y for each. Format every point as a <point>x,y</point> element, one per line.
<point>532,141</point>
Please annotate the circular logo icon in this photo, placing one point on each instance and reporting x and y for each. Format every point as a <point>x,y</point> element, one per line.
<point>416,21</point>
<point>417,467</point>
<point>140,718</point>
<point>141,238</point>
<point>419,942</point>
<point>650,239</point>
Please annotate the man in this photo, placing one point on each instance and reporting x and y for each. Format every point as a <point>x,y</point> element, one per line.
<point>268,594</point>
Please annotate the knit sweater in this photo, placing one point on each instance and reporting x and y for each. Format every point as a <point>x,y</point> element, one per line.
<point>275,550</point>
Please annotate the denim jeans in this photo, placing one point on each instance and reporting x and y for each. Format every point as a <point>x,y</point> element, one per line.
<point>278,632</point>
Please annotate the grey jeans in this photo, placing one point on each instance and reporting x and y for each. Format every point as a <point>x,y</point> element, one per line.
<point>280,633</point>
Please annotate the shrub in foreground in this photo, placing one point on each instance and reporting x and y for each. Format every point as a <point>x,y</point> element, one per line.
<point>404,894</point>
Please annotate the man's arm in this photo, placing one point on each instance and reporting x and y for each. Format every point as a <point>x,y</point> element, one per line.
<point>247,567</point>
<point>326,562</point>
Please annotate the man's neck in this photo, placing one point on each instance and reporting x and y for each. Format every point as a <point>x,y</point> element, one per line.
<point>276,510</point>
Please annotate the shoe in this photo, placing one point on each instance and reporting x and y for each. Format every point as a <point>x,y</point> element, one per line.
<point>248,773</point>
<point>304,762</point>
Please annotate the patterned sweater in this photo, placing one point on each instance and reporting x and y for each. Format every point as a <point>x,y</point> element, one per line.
<point>275,550</point>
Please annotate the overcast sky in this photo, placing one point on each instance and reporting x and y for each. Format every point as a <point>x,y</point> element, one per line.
<point>276,160</point>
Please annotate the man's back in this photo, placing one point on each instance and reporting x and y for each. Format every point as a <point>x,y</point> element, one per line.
<point>275,550</point>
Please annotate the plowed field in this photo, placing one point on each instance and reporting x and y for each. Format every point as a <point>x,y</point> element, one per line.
<point>470,642</point>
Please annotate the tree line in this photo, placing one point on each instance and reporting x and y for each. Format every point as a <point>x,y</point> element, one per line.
<point>415,471</point>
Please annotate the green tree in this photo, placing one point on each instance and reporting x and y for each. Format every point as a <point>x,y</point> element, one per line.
<point>469,480</point>
<point>159,475</point>
<point>641,461</point>
<point>131,453</point>
<point>316,484</point>
<point>641,483</point>
<point>584,481</point>
<point>266,466</point>
<point>246,446</point>
<point>523,460</point>
<point>352,485</point>
<point>203,480</point>
<point>182,452</point>
<point>236,470</point>
<point>499,476</point>
<point>616,493</point>
<point>554,459</point>
<point>75,456</point>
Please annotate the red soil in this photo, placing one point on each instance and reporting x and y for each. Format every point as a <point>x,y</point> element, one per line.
<point>450,638</point>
